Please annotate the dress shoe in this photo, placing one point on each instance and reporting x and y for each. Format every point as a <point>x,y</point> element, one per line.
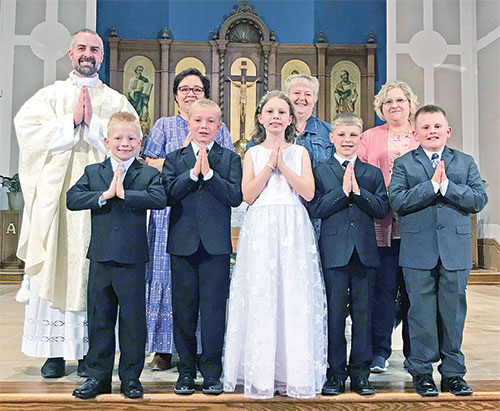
<point>333,386</point>
<point>456,385</point>
<point>160,362</point>
<point>53,368</point>
<point>81,370</point>
<point>132,389</point>
<point>184,385</point>
<point>92,388</point>
<point>212,386</point>
<point>360,385</point>
<point>424,385</point>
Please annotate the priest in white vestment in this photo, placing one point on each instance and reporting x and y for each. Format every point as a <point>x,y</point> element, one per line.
<point>60,130</point>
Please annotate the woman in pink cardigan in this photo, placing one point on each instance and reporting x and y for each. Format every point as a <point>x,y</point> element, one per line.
<point>380,146</point>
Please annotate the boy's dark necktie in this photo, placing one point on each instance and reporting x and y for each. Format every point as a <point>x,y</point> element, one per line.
<point>345,164</point>
<point>434,159</point>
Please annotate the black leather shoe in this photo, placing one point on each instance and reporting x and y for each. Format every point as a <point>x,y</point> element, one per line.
<point>53,368</point>
<point>424,385</point>
<point>212,386</point>
<point>92,388</point>
<point>360,385</point>
<point>184,385</point>
<point>81,370</point>
<point>456,385</point>
<point>333,386</point>
<point>132,389</point>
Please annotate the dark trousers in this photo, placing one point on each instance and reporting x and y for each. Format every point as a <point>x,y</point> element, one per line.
<point>436,318</point>
<point>200,281</point>
<point>388,279</point>
<point>349,285</point>
<point>113,285</point>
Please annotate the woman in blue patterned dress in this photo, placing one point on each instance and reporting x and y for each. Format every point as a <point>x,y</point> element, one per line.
<point>168,134</point>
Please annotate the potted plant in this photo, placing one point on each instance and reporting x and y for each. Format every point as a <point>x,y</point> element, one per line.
<point>14,193</point>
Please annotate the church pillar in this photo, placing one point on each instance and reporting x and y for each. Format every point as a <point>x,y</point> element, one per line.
<point>222,60</point>
<point>113,63</point>
<point>321,62</point>
<point>165,86</point>
<point>370,113</point>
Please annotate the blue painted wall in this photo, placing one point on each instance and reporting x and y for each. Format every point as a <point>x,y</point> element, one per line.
<point>294,21</point>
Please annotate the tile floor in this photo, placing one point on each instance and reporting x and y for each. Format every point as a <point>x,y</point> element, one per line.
<point>481,344</point>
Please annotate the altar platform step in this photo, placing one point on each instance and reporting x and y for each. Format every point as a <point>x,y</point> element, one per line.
<point>477,276</point>
<point>484,276</point>
<point>159,396</point>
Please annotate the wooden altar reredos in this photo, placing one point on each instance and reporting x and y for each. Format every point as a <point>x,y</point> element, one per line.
<point>244,36</point>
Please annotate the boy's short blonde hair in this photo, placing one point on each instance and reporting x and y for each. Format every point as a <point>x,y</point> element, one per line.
<point>347,119</point>
<point>124,117</point>
<point>205,102</point>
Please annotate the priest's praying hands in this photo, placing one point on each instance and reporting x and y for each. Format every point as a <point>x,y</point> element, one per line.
<point>83,110</point>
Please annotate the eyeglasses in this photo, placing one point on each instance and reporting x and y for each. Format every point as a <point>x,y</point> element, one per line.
<point>390,101</point>
<point>197,91</point>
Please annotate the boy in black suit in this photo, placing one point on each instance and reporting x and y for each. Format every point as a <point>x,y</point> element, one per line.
<point>118,192</point>
<point>203,182</point>
<point>349,195</point>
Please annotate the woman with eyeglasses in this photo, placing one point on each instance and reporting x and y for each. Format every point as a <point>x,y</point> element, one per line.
<point>168,134</point>
<point>380,146</point>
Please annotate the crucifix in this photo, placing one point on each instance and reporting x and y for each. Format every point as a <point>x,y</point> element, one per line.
<point>243,82</point>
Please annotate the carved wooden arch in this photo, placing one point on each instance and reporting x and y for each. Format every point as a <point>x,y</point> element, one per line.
<point>244,26</point>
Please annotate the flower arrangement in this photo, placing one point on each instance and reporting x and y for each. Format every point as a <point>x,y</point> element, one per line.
<point>12,184</point>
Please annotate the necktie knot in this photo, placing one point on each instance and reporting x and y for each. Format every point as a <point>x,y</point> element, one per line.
<point>435,159</point>
<point>345,164</point>
<point>123,170</point>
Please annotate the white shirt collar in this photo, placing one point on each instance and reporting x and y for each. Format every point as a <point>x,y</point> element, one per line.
<point>84,81</point>
<point>196,148</point>
<point>126,164</point>
<point>430,153</point>
<point>341,159</point>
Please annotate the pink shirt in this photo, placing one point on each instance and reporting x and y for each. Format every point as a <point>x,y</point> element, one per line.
<point>380,150</point>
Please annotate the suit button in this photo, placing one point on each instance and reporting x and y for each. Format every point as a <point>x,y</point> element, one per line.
<point>440,226</point>
<point>350,204</point>
<point>440,205</point>
<point>353,224</point>
<point>116,228</point>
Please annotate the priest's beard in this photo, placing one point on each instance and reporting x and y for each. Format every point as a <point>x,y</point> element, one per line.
<point>86,71</point>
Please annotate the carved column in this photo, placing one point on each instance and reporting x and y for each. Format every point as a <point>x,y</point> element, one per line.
<point>113,63</point>
<point>222,60</point>
<point>321,62</point>
<point>214,78</point>
<point>370,48</point>
<point>273,76</point>
<point>164,74</point>
<point>266,48</point>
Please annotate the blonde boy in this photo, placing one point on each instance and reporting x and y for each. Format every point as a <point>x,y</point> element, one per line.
<point>118,192</point>
<point>203,182</point>
<point>349,195</point>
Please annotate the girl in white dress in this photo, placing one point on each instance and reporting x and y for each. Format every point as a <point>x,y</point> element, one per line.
<point>276,331</point>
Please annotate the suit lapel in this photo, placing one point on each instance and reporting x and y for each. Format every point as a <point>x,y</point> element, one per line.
<point>214,157</point>
<point>132,173</point>
<point>188,157</point>
<point>422,158</point>
<point>106,172</point>
<point>338,170</point>
<point>447,156</point>
<point>359,169</point>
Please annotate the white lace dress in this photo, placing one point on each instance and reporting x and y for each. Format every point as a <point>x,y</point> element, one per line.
<point>276,331</point>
